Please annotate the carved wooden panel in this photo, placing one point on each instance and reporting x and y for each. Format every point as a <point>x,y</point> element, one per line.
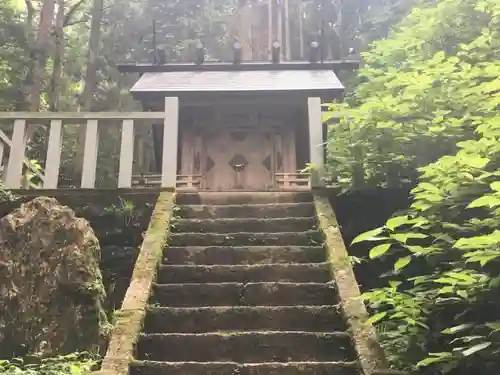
<point>238,163</point>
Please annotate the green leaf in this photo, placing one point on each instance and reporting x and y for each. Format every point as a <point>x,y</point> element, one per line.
<point>379,250</point>
<point>476,348</point>
<point>477,242</point>
<point>376,318</point>
<point>495,326</point>
<point>402,263</point>
<point>422,250</point>
<point>463,294</point>
<point>459,328</point>
<point>446,280</point>
<point>495,186</point>
<point>435,358</point>
<point>371,235</point>
<point>404,237</point>
<point>433,198</point>
<point>394,283</point>
<point>462,276</point>
<point>397,221</point>
<point>486,200</point>
<point>446,290</point>
<point>428,186</point>
<point>475,161</point>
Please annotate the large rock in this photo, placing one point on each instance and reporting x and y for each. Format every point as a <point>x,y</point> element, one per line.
<point>51,290</point>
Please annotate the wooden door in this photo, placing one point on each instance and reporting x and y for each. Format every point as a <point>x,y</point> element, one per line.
<point>238,159</point>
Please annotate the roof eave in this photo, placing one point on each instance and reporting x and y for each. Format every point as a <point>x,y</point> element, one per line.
<point>189,96</point>
<point>335,65</point>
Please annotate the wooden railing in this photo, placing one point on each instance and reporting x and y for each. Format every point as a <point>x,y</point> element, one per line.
<point>189,182</point>
<point>293,181</point>
<point>12,178</point>
<point>184,182</point>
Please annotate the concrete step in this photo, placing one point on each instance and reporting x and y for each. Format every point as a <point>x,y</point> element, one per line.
<point>233,368</point>
<point>259,318</point>
<point>232,198</point>
<point>312,272</point>
<point>249,347</point>
<point>243,294</point>
<point>287,224</point>
<point>246,211</point>
<point>309,238</point>
<point>213,255</point>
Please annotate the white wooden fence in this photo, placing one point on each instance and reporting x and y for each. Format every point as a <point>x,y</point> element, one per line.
<point>12,174</point>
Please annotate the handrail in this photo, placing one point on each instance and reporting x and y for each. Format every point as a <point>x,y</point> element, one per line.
<point>81,115</point>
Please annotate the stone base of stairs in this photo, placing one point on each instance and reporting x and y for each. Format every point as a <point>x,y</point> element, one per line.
<point>232,368</point>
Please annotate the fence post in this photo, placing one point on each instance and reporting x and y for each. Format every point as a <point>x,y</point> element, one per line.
<point>16,156</point>
<point>53,159</point>
<point>90,154</point>
<point>126,154</point>
<point>170,140</point>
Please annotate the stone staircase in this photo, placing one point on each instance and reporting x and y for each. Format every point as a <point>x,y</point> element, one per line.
<point>244,289</point>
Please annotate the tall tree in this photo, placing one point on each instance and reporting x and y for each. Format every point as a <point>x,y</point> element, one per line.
<point>34,79</point>
<point>55,81</point>
<point>90,82</point>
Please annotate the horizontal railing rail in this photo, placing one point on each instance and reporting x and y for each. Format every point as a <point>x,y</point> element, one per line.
<point>79,116</point>
<point>293,181</point>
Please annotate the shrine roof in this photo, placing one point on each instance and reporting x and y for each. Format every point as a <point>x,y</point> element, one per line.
<point>256,81</point>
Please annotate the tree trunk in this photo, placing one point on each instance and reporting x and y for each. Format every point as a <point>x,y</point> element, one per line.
<point>34,78</point>
<point>55,82</point>
<point>270,36</point>
<point>301,29</point>
<point>280,25</point>
<point>89,84</point>
<point>288,45</point>
<point>93,51</point>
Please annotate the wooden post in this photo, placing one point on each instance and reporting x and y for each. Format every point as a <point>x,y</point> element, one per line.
<point>16,156</point>
<point>170,140</point>
<point>2,151</point>
<point>126,154</point>
<point>90,154</point>
<point>316,155</point>
<point>53,160</point>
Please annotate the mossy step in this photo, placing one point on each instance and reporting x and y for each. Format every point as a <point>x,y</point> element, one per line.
<point>240,294</point>
<point>250,347</point>
<point>213,319</point>
<point>243,255</point>
<point>246,210</point>
<point>234,198</point>
<point>313,272</point>
<point>233,368</point>
<point>309,238</point>
<point>287,224</point>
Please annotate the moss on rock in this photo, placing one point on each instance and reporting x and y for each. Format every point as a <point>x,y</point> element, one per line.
<point>51,288</point>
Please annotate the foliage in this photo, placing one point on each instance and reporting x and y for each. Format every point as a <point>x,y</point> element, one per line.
<point>446,248</point>
<point>439,308</point>
<point>125,210</point>
<point>6,195</point>
<point>429,104</point>
<point>72,364</point>
<point>422,92</point>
